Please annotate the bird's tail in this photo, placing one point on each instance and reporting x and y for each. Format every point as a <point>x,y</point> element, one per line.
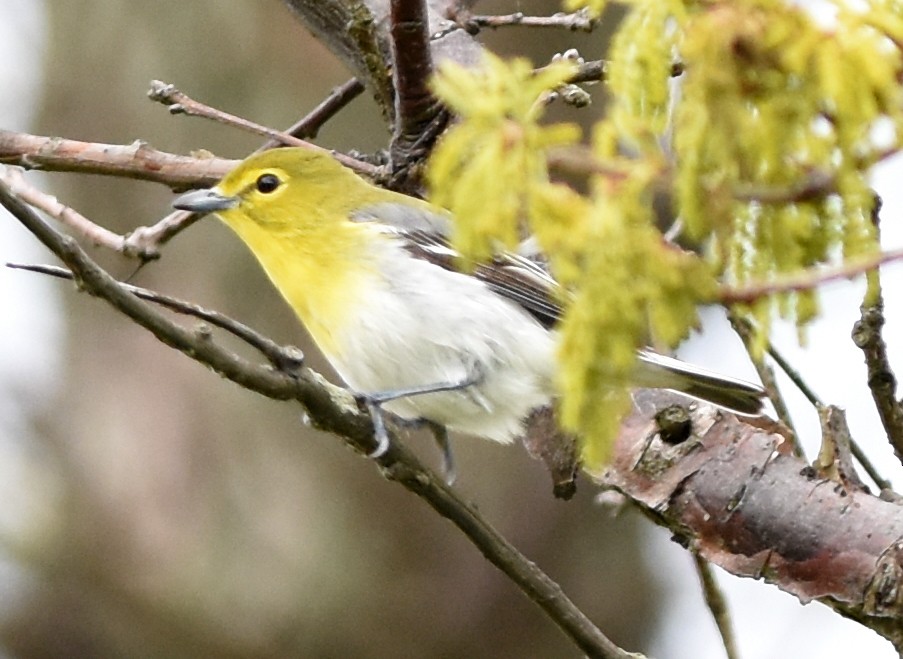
<point>660,372</point>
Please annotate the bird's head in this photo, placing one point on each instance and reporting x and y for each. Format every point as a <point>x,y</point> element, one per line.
<point>284,189</point>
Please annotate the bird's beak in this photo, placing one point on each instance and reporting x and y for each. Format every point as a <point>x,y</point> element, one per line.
<point>204,201</point>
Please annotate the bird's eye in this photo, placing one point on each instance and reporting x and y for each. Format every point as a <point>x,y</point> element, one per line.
<point>266,183</point>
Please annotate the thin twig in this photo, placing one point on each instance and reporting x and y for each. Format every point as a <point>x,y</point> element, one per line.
<point>883,484</point>
<point>835,456</point>
<point>150,239</point>
<point>813,398</point>
<point>868,336</point>
<point>142,242</point>
<point>882,383</point>
<point>766,375</point>
<point>576,21</point>
<point>180,103</point>
<point>310,124</point>
<point>334,410</point>
<point>580,160</point>
<point>816,185</point>
<point>794,376</point>
<point>715,601</point>
<point>592,71</point>
<point>807,279</point>
<point>18,186</point>
<point>597,71</point>
<point>281,357</point>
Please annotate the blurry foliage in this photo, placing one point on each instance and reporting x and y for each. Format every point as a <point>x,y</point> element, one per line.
<point>764,148</point>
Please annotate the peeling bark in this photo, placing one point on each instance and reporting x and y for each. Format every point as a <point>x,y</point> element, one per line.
<point>735,494</point>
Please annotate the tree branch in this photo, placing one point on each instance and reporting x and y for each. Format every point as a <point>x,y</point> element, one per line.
<point>310,124</point>
<point>744,330</point>
<point>412,64</point>
<point>766,374</point>
<point>358,32</point>
<point>817,185</point>
<point>734,493</point>
<point>867,335</point>
<point>180,103</point>
<point>98,235</point>
<point>283,358</point>
<point>717,604</point>
<point>142,242</point>
<point>576,21</point>
<point>419,118</point>
<point>807,279</point>
<point>135,161</point>
<point>355,32</point>
<point>331,409</point>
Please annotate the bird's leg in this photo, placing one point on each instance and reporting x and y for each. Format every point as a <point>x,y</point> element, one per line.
<point>440,434</point>
<point>382,397</point>
<point>377,415</point>
<point>375,401</point>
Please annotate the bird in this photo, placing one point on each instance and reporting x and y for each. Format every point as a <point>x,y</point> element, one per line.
<point>371,275</point>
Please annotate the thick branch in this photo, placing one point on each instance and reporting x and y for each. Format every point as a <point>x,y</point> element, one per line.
<point>353,30</point>
<point>735,494</point>
<point>136,161</point>
<point>415,106</point>
<point>358,32</point>
<point>334,410</point>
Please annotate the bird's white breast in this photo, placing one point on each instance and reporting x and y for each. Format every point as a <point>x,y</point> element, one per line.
<point>419,324</point>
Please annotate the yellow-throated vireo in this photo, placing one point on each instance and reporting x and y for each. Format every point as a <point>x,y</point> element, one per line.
<point>370,274</point>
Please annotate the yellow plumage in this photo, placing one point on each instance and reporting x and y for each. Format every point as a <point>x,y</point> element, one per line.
<point>369,275</point>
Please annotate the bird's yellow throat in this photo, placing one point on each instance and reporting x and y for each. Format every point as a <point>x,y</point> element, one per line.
<point>323,286</point>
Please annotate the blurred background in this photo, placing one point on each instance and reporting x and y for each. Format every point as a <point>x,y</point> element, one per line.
<point>149,508</point>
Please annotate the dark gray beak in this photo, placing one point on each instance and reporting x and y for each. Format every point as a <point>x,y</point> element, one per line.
<point>204,201</point>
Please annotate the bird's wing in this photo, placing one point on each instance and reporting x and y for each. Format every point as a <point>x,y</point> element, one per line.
<point>521,278</point>
<point>524,279</point>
